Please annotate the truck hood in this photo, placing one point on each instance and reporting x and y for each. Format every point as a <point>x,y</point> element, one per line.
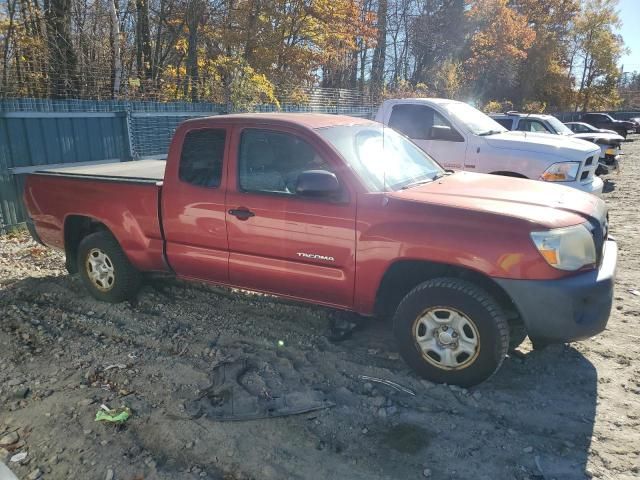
<point>625,123</point>
<point>542,203</point>
<point>610,138</point>
<point>560,146</point>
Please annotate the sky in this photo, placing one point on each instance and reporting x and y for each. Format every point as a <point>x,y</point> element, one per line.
<point>630,31</point>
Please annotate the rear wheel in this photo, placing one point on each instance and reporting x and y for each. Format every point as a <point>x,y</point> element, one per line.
<point>105,269</point>
<point>451,331</point>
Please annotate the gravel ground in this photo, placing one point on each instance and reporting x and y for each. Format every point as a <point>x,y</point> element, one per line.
<point>184,354</point>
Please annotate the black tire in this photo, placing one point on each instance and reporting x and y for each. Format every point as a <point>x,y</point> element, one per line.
<point>479,308</point>
<point>125,279</point>
<point>517,334</point>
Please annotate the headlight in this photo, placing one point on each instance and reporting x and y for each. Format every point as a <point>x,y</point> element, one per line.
<point>567,248</point>
<point>561,172</point>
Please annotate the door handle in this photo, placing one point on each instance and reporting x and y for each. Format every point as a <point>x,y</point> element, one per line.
<point>241,213</point>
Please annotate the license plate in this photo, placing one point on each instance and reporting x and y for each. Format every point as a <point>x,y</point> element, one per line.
<point>611,151</point>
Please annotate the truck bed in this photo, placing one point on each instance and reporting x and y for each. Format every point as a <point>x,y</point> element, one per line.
<point>125,197</point>
<point>141,171</point>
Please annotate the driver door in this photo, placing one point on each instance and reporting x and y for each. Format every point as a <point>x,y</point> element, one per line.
<point>281,242</point>
<point>418,121</point>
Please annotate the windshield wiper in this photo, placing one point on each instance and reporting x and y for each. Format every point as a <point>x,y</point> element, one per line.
<point>435,177</point>
<point>415,184</point>
<point>489,132</point>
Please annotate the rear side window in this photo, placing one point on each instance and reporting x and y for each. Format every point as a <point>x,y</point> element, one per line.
<point>202,156</point>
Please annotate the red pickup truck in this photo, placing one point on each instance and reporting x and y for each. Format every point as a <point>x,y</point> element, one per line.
<point>342,212</point>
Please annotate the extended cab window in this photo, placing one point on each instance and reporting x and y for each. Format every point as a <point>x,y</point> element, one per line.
<point>270,162</point>
<point>202,156</point>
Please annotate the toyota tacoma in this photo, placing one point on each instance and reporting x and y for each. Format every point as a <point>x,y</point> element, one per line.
<point>342,212</point>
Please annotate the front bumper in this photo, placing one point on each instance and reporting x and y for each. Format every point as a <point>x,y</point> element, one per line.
<point>595,185</point>
<point>568,309</point>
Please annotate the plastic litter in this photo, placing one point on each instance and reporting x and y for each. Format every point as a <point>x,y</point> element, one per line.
<point>116,415</point>
<point>117,365</point>
<point>389,383</point>
<point>18,457</point>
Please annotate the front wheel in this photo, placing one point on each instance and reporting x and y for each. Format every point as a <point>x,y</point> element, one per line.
<point>451,331</point>
<point>105,269</point>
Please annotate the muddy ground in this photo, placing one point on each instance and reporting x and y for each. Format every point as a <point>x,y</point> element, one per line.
<point>186,358</point>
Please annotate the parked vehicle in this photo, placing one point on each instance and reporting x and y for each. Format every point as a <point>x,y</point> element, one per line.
<point>609,143</point>
<point>603,120</point>
<point>461,137</point>
<point>581,127</point>
<point>342,212</point>
<point>636,121</point>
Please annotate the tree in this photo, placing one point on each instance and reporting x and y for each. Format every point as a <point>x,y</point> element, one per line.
<point>437,38</point>
<point>143,41</point>
<point>380,51</point>
<point>500,39</point>
<point>115,46</point>
<point>544,74</point>
<point>598,50</point>
<point>62,59</point>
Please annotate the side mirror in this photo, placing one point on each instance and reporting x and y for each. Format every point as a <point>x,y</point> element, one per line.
<point>446,133</point>
<point>317,183</point>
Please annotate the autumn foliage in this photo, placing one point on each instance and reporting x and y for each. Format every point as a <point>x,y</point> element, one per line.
<point>558,53</point>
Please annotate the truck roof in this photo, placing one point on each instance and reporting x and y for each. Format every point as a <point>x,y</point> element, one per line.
<point>308,120</point>
<point>439,101</point>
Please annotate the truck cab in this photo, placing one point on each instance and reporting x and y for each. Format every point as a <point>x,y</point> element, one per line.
<point>461,137</point>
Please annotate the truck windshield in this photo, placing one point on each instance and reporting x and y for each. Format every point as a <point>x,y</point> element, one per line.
<point>381,157</point>
<point>476,121</point>
<point>559,127</point>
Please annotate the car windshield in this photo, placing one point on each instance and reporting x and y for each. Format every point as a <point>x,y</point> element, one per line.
<point>559,127</point>
<point>381,157</point>
<point>476,121</point>
<point>583,127</point>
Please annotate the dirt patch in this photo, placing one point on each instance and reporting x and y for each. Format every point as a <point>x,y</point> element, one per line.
<point>567,412</point>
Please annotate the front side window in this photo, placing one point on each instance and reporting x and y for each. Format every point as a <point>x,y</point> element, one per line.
<point>202,157</point>
<point>532,126</point>
<point>382,158</point>
<point>414,121</point>
<point>417,122</point>
<point>270,162</point>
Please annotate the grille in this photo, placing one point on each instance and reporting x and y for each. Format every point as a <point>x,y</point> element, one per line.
<point>587,169</point>
<point>600,230</point>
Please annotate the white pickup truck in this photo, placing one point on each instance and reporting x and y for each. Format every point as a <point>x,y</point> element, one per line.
<point>461,137</point>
